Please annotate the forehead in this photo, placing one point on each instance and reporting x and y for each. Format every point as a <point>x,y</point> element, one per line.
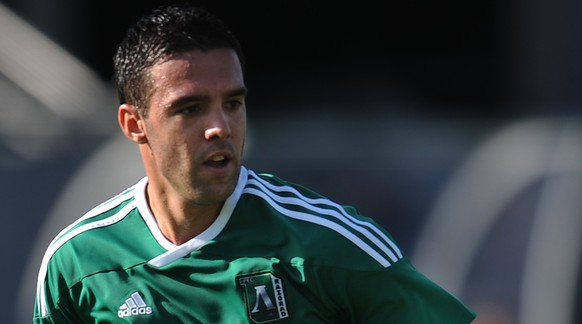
<point>196,70</point>
<point>219,62</point>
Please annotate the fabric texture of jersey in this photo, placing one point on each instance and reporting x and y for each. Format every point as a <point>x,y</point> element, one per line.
<point>277,252</point>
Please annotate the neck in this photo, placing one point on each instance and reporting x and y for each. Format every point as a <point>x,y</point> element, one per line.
<point>180,220</point>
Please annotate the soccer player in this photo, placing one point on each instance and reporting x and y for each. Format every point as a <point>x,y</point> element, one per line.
<point>201,238</point>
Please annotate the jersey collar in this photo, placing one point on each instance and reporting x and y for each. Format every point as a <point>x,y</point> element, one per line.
<point>175,252</point>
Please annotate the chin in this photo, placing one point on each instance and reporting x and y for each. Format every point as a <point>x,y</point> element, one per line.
<point>215,193</point>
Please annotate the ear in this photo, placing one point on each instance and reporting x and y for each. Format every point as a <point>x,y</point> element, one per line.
<point>131,123</point>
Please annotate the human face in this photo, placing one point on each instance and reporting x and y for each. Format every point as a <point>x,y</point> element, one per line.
<point>196,125</point>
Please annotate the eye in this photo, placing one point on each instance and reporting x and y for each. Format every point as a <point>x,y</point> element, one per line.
<point>234,104</point>
<point>190,109</point>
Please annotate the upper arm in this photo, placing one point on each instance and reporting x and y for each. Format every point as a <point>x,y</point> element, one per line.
<point>54,302</point>
<point>401,294</point>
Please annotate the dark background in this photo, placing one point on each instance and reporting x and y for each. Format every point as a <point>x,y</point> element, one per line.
<point>446,57</point>
<point>486,58</point>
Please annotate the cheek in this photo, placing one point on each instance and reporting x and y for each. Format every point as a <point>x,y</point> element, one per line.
<point>240,127</point>
<point>239,135</point>
<point>181,146</point>
<point>167,147</point>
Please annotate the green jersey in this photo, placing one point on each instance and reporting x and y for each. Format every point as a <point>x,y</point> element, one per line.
<point>277,252</point>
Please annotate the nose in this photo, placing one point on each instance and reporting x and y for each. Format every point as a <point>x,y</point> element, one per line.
<point>218,127</point>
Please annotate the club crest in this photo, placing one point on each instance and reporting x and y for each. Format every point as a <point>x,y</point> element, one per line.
<point>264,297</point>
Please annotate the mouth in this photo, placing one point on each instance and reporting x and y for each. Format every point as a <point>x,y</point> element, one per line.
<point>218,160</point>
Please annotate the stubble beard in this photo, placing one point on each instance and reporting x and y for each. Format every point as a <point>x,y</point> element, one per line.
<point>205,192</point>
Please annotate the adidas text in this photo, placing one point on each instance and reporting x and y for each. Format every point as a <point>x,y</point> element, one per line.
<point>134,311</point>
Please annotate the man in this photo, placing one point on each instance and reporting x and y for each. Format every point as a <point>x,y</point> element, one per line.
<point>202,239</point>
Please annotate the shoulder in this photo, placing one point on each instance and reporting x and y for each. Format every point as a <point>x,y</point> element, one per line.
<point>77,251</point>
<point>103,216</point>
<point>337,234</point>
<point>81,239</point>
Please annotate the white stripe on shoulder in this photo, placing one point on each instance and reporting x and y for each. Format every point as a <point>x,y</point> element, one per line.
<point>74,229</point>
<point>346,224</point>
<point>98,210</point>
<point>343,215</point>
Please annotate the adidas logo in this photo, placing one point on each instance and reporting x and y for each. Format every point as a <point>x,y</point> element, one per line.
<point>134,305</point>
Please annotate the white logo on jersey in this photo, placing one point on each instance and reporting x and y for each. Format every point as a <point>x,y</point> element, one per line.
<point>261,294</point>
<point>264,297</point>
<point>134,305</point>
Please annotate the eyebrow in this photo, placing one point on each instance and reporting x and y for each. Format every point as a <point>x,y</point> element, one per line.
<point>240,92</point>
<point>201,98</point>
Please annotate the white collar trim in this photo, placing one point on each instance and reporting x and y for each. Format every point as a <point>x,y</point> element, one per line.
<point>175,252</point>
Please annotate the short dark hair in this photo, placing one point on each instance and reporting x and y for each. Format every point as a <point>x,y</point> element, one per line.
<point>165,31</point>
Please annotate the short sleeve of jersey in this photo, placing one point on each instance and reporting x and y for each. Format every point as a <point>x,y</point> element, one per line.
<point>54,300</point>
<point>401,294</point>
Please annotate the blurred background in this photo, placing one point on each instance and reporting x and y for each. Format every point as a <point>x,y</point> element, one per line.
<point>455,124</point>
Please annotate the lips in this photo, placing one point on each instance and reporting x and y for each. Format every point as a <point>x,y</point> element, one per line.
<point>218,159</point>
